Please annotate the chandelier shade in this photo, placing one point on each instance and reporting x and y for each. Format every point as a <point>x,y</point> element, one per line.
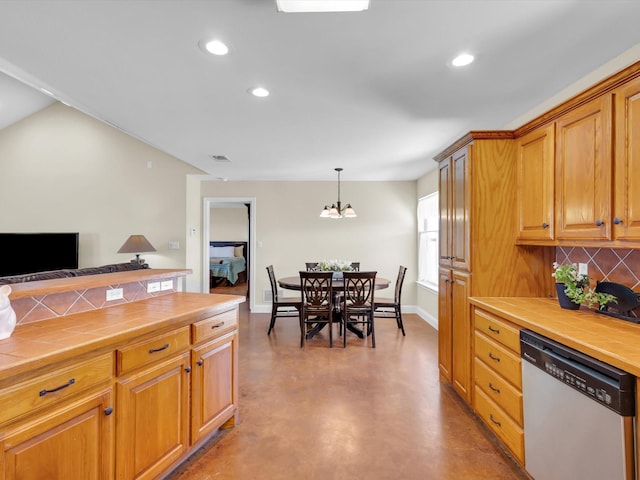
<point>336,210</point>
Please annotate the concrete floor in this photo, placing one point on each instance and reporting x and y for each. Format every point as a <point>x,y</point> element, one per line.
<point>319,413</point>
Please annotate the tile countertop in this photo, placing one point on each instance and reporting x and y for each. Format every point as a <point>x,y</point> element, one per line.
<point>614,341</point>
<point>39,344</point>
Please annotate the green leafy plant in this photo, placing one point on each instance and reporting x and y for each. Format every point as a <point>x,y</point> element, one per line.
<point>334,266</point>
<point>577,286</point>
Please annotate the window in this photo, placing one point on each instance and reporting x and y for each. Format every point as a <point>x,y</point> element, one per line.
<point>428,221</point>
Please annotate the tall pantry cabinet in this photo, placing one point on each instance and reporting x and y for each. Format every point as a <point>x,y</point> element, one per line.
<point>478,255</point>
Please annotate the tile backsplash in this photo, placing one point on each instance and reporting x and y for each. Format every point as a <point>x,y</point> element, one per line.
<point>605,264</point>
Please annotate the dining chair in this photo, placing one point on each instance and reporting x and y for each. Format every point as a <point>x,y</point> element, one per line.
<point>317,303</point>
<point>390,307</point>
<point>358,302</point>
<point>282,306</point>
<point>311,266</point>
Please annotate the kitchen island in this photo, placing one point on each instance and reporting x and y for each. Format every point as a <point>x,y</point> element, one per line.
<point>137,386</point>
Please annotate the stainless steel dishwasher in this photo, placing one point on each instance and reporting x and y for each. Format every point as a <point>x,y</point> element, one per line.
<point>578,414</point>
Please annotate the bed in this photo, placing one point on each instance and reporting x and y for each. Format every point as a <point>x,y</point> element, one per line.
<point>227,261</point>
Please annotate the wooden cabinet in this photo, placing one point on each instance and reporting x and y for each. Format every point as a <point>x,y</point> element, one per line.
<point>152,396</point>
<point>214,382</point>
<point>536,184</point>
<point>626,211</point>
<point>445,338</point>
<point>498,379</point>
<point>214,390</point>
<point>583,172</point>
<point>454,210</point>
<point>71,441</point>
<point>461,335</point>
<point>480,258</point>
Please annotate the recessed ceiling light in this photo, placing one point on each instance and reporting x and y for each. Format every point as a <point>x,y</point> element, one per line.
<point>259,91</point>
<point>462,60</point>
<point>216,47</point>
<point>307,6</point>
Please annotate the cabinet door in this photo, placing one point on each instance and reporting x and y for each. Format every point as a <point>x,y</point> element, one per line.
<point>444,324</point>
<point>152,425</point>
<point>445,212</point>
<point>460,192</point>
<point>70,442</point>
<point>583,172</point>
<point>461,335</point>
<point>626,213</point>
<point>214,390</point>
<point>536,179</point>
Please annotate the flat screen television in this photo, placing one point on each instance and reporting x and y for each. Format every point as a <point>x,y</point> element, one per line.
<point>37,252</point>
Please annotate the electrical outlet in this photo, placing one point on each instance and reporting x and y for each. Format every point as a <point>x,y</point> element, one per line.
<point>583,269</point>
<point>114,294</point>
<point>174,245</point>
<point>166,285</point>
<point>153,287</point>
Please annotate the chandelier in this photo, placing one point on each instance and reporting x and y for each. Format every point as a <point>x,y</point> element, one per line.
<point>336,210</point>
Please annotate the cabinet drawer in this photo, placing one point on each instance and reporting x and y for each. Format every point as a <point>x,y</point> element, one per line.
<point>157,348</point>
<point>214,326</point>
<point>498,358</point>
<point>499,390</point>
<point>500,423</point>
<point>497,329</point>
<point>52,387</point>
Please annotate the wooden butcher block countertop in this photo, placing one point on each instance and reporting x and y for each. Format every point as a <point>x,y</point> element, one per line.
<point>614,341</point>
<point>37,345</point>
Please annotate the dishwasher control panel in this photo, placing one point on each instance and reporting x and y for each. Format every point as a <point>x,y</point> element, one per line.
<point>579,382</point>
<point>605,384</point>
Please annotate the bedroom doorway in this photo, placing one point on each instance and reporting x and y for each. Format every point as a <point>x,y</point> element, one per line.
<point>224,218</point>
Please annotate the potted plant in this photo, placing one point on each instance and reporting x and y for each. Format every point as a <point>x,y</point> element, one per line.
<point>335,266</point>
<point>573,288</point>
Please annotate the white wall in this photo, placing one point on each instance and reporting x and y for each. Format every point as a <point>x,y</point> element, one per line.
<point>61,170</point>
<point>290,231</point>
<point>229,223</point>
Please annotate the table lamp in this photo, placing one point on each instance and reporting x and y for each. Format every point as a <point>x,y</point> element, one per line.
<point>136,244</point>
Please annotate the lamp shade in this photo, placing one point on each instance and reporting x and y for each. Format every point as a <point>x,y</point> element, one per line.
<point>136,244</point>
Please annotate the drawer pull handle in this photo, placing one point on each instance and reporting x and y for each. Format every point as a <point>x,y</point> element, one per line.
<point>188,369</point>
<point>200,362</point>
<point>217,325</point>
<point>494,330</point>
<point>108,411</point>
<point>68,384</point>
<point>495,359</point>
<point>494,420</point>
<point>154,350</point>
<point>497,390</point>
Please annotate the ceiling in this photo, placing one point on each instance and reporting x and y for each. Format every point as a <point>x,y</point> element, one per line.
<point>373,92</point>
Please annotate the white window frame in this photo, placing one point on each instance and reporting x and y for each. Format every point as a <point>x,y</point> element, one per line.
<point>428,212</point>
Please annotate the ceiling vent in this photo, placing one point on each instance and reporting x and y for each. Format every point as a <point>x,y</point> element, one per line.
<point>220,158</point>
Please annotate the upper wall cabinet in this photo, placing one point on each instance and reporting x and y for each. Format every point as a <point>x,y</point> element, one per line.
<point>583,172</point>
<point>454,210</point>
<point>536,181</point>
<point>626,211</point>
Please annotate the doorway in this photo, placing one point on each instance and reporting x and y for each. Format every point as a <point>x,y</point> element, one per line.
<point>248,204</point>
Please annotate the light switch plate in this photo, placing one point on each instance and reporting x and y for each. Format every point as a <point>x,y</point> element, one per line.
<point>153,287</point>
<point>166,285</point>
<point>583,269</point>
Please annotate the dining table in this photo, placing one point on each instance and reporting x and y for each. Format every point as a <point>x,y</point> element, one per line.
<point>293,283</point>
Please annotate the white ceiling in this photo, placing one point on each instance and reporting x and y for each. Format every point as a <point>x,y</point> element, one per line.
<point>371,92</point>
